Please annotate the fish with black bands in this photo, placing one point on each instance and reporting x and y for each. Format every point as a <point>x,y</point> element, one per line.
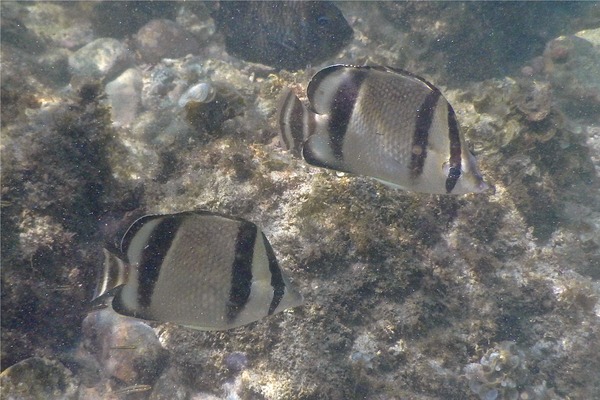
<point>282,34</point>
<point>199,269</point>
<point>381,122</point>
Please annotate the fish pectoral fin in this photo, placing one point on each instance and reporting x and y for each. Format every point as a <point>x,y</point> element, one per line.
<point>318,150</point>
<point>287,43</point>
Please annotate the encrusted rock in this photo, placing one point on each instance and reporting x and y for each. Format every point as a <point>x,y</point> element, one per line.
<point>535,101</point>
<point>127,349</point>
<point>100,59</point>
<point>162,38</point>
<point>37,379</point>
<point>572,65</point>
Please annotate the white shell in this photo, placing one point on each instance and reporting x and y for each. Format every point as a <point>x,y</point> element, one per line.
<point>200,93</point>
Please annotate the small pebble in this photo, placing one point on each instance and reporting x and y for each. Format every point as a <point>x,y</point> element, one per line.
<point>558,52</point>
<point>527,71</point>
<point>124,96</point>
<point>236,361</point>
<point>38,378</point>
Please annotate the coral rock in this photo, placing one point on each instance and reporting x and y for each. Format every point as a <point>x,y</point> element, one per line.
<point>102,58</point>
<point>38,378</point>
<point>161,38</point>
<point>127,349</point>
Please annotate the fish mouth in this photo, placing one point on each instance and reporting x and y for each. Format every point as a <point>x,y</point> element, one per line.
<point>485,187</point>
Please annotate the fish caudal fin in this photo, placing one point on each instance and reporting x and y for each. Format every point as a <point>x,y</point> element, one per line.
<point>296,122</point>
<point>114,275</point>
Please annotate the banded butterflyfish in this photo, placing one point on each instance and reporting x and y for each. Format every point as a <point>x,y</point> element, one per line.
<point>199,269</point>
<point>385,123</point>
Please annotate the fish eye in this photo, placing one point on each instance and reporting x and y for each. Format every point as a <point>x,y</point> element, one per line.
<point>454,172</point>
<point>323,20</point>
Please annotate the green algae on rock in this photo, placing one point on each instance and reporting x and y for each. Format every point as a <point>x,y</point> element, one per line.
<point>433,284</point>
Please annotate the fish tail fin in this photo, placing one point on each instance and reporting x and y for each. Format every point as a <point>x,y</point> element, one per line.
<point>296,122</point>
<point>114,274</point>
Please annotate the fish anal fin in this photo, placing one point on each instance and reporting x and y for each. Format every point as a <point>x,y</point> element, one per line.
<point>318,151</point>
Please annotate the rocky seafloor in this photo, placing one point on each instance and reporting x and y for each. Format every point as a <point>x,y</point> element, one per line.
<point>408,296</point>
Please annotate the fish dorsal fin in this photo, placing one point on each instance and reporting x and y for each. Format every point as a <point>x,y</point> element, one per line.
<point>326,85</point>
<point>133,229</point>
<point>321,81</point>
<point>405,74</point>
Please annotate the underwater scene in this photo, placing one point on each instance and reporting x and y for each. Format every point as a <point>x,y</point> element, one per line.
<point>300,200</point>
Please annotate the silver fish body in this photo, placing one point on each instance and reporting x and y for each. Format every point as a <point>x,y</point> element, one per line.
<point>380,122</point>
<point>198,269</point>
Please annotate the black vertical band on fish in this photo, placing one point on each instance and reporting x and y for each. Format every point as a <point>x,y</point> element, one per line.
<point>113,273</point>
<point>423,121</point>
<point>152,257</point>
<point>455,169</point>
<point>310,124</point>
<point>241,270</point>
<point>277,282</point>
<point>341,111</point>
